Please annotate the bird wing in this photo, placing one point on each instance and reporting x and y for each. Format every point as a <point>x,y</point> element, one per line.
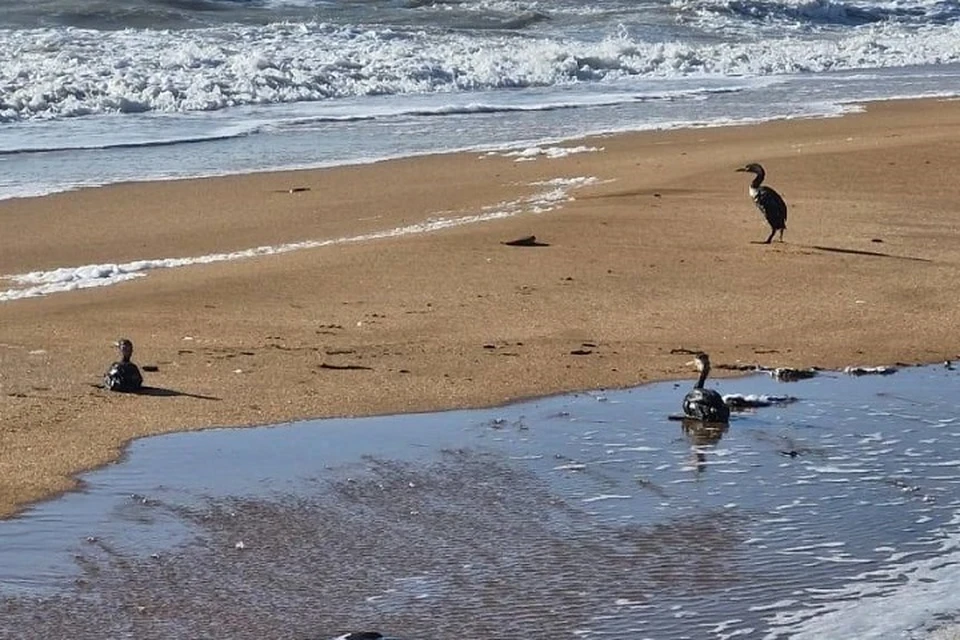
<point>772,206</point>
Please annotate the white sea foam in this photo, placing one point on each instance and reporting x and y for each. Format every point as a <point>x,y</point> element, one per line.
<point>886,603</point>
<point>54,73</point>
<point>532,153</point>
<point>753,400</point>
<point>606,496</point>
<point>42,283</point>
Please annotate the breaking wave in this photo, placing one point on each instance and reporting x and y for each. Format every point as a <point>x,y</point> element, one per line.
<point>63,73</point>
<point>822,13</point>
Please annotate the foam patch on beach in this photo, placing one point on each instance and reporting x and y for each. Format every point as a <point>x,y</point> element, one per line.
<point>551,153</point>
<point>756,401</point>
<point>553,193</point>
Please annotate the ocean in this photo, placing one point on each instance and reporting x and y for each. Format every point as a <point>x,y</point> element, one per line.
<point>96,92</point>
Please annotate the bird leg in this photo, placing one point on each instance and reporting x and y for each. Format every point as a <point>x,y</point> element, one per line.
<point>770,237</point>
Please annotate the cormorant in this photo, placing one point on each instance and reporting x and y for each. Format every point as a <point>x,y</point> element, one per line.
<point>705,405</point>
<point>123,375</point>
<point>769,202</point>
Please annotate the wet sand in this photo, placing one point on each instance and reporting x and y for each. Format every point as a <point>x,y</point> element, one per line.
<point>657,256</point>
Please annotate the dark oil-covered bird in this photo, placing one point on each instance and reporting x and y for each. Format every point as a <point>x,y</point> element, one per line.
<point>769,202</point>
<point>705,405</point>
<point>123,375</point>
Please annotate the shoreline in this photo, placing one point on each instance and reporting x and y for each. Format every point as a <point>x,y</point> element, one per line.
<point>842,109</point>
<point>836,108</point>
<point>454,319</point>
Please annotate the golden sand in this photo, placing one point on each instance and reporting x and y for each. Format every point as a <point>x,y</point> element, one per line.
<point>658,255</point>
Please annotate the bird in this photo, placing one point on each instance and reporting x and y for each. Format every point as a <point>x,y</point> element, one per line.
<point>705,405</point>
<point>123,375</point>
<point>771,205</point>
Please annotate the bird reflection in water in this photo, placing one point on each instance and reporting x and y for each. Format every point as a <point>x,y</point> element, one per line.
<point>702,436</point>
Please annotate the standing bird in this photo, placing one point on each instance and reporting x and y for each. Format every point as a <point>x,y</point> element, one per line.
<point>705,405</point>
<point>123,375</point>
<point>769,202</point>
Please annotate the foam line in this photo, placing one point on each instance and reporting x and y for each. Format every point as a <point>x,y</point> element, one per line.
<point>43,283</point>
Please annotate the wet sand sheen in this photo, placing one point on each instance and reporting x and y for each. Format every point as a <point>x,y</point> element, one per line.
<point>591,516</point>
<point>653,257</point>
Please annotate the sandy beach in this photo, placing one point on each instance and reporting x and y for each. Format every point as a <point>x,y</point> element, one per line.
<point>657,254</point>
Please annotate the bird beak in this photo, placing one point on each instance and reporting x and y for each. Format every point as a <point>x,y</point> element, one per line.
<point>742,169</point>
<point>691,362</point>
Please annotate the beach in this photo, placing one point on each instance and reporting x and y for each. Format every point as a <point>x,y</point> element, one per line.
<point>649,253</point>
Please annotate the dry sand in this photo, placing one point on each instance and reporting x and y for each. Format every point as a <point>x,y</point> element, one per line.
<point>659,255</point>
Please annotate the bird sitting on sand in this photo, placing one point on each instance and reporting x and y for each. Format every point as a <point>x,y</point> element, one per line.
<point>123,375</point>
<point>705,405</point>
<point>771,205</point>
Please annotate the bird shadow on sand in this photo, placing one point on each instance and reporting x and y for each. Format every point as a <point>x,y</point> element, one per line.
<point>861,252</point>
<point>164,392</point>
<point>855,252</point>
<point>161,392</point>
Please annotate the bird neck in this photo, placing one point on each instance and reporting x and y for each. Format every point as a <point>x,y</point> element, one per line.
<point>758,178</point>
<point>703,378</point>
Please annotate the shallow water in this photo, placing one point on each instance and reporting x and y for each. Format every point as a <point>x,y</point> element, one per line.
<point>591,515</point>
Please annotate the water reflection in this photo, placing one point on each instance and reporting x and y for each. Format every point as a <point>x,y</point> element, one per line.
<point>702,437</point>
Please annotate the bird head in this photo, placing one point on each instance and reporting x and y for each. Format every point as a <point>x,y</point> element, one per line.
<point>125,347</point>
<point>701,360</point>
<point>753,167</point>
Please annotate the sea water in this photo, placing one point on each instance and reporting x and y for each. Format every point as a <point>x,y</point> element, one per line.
<point>830,515</point>
<point>100,92</point>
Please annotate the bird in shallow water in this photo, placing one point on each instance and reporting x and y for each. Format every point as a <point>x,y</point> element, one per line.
<point>705,405</point>
<point>771,205</point>
<point>123,375</point>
